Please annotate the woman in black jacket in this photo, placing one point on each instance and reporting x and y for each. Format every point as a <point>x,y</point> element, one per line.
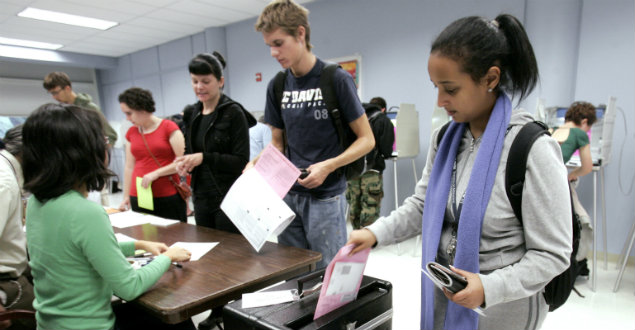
<point>217,142</point>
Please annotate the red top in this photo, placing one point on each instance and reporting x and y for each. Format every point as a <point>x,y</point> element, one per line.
<point>159,143</point>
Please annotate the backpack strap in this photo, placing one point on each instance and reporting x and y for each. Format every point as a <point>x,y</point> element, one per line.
<point>517,163</point>
<point>332,105</point>
<point>442,132</point>
<point>372,117</point>
<point>278,86</point>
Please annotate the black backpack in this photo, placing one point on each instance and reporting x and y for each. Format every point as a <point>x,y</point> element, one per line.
<point>344,133</point>
<point>559,288</point>
<point>372,156</point>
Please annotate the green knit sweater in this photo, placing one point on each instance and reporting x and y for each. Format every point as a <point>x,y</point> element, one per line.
<point>77,264</point>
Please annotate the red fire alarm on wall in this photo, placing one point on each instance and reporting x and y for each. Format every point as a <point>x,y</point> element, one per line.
<point>258,76</point>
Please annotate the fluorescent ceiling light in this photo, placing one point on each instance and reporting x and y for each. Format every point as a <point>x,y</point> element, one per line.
<point>29,43</point>
<point>54,16</point>
<point>31,54</point>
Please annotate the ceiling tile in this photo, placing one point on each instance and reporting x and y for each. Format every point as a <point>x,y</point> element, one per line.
<point>146,31</point>
<point>123,6</point>
<point>166,26</point>
<point>158,3</point>
<point>201,9</point>
<point>117,35</point>
<point>83,9</point>
<point>179,17</point>
<point>10,9</point>
<point>253,7</point>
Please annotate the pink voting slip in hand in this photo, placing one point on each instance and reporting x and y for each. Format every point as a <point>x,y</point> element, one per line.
<point>342,279</point>
<point>277,170</point>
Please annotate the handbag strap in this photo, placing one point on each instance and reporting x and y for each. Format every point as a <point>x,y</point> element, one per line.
<point>152,155</point>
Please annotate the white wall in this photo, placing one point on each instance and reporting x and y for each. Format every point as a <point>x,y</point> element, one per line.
<point>606,66</point>
<point>162,70</point>
<point>21,89</point>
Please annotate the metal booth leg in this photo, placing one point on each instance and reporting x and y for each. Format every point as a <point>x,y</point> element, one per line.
<point>604,227</point>
<point>595,234</point>
<point>394,172</point>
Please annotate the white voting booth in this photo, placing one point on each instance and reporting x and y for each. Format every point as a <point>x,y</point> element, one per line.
<point>601,142</point>
<point>406,142</point>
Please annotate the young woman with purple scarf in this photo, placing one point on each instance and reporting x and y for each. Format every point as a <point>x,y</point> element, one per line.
<point>460,206</point>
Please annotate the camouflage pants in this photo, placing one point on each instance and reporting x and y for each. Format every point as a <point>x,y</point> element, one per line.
<point>364,196</point>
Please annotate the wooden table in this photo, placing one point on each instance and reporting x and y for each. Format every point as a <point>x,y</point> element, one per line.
<point>230,269</point>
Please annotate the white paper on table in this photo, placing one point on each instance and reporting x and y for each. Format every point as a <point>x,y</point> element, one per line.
<point>277,170</point>
<point>157,221</point>
<point>131,218</point>
<point>198,249</point>
<point>124,238</point>
<point>266,298</point>
<point>127,219</point>
<point>255,209</point>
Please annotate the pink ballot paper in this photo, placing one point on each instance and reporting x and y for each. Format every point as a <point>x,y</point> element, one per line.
<point>342,279</point>
<point>277,170</point>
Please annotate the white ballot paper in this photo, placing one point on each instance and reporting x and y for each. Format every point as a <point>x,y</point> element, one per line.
<point>198,249</point>
<point>131,218</point>
<point>254,202</point>
<point>255,209</point>
<point>266,298</point>
<point>123,238</point>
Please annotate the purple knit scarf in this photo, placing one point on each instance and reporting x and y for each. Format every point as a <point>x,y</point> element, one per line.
<point>477,197</point>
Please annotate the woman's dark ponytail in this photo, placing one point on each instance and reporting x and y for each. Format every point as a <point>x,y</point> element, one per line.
<point>521,67</point>
<point>478,44</point>
<point>220,58</point>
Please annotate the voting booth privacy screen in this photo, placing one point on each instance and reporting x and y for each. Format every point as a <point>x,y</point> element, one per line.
<point>600,135</point>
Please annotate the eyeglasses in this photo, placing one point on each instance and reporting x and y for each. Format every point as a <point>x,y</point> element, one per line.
<point>55,92</point>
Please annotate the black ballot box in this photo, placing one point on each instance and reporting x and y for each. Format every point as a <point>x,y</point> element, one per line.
<point>371,310</point>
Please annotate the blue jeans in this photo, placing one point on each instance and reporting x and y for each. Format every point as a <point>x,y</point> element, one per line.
<point>319,224</point>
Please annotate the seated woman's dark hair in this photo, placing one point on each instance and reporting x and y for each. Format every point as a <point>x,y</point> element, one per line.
<point>478,44</point>
<point>204,64</point>
<point>64,148</point>
<point>12,141</point>
<point>138,99</point>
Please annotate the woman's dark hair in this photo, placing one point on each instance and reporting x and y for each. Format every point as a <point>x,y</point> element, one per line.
<point>64,147</point>
<point>581,110</point>
<point>204,64</point>
<point>478,44</point>
<point>12,141</point>
<point>138,99</point>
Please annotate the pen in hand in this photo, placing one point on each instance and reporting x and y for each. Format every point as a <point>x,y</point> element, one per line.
<point>178,265</point>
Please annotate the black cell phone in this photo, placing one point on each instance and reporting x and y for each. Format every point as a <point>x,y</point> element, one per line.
<point>303,173</point>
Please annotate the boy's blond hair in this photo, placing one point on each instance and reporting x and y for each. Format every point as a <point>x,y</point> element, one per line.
<point>287,15</point>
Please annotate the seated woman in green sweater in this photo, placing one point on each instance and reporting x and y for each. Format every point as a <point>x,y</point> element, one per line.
<point>573,136</point>
<point>75,259</point>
